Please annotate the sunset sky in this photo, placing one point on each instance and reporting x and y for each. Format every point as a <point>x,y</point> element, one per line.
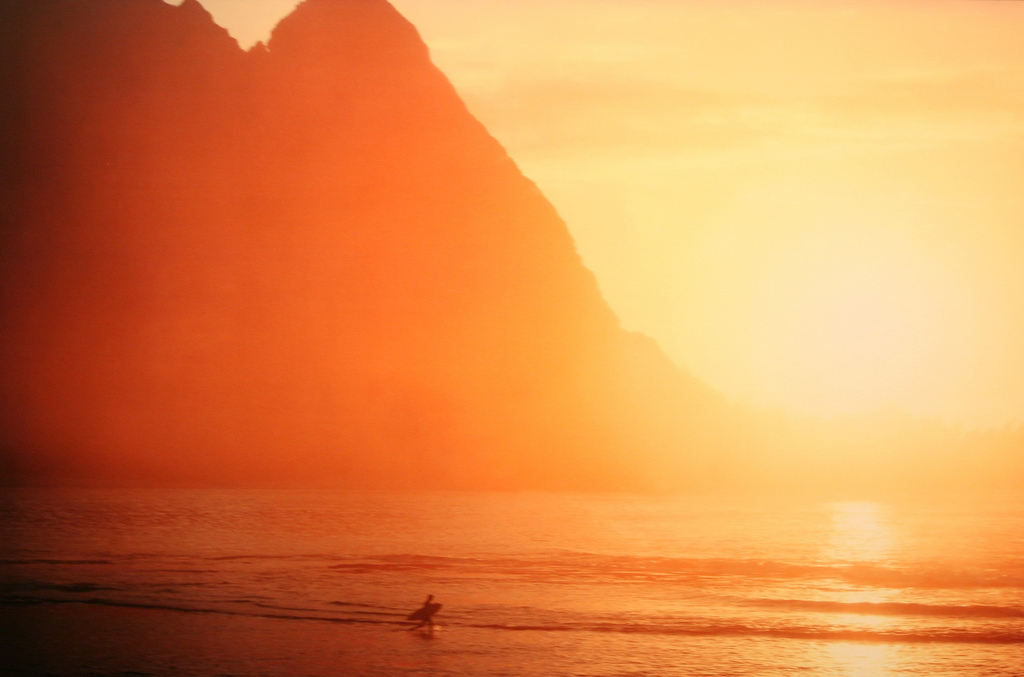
<point>814,206</point>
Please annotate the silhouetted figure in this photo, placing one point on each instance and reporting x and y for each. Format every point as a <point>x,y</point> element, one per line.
<point>425,614</point>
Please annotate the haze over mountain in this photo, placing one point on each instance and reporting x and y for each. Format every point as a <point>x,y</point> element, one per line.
<point>308,265</point>
<point>305,263</point>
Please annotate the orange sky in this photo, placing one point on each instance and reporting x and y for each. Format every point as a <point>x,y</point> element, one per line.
<point>810,205</point>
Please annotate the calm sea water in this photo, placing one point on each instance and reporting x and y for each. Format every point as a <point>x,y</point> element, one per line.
<point>163,582</point>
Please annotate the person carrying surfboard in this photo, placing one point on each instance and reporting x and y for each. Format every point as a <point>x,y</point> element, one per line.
<point>425,614</point>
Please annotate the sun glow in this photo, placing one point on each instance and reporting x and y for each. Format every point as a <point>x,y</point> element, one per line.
<point>835,302</point>
<point>847,320</point>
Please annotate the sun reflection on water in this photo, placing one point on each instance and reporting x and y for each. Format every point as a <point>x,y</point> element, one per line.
<point>851,659</point>
<point>860,533</point>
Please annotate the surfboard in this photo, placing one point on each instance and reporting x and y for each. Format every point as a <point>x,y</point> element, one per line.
<point>425,613</point>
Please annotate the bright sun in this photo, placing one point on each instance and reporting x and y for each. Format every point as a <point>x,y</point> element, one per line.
<point>841,308</point>
<point>863,327</point>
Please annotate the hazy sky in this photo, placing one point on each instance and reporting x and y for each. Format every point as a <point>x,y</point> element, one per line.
<point>810,205</point>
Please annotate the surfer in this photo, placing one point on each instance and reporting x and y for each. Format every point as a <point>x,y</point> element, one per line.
<point>425,614</point>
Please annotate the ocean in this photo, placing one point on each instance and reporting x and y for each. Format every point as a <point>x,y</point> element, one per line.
<point>246,582</point>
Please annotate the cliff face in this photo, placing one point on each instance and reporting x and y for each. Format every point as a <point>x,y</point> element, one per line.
<point>306,263</point>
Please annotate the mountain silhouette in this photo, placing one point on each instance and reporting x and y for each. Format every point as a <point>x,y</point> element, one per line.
<point>302,264</point>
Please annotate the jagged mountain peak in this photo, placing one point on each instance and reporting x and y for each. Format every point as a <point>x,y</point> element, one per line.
<point>361,31</point>
<point>304,266</point>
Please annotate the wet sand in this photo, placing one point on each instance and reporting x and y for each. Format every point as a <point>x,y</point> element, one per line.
<point>83,639</point>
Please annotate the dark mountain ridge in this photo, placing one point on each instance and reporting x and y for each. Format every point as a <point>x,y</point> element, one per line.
<point>302,264</point>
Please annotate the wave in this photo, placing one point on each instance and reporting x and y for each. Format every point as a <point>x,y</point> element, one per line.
<point>690,627</point>
<point>24,600</point>
<point>73,587</point>
<point>56,561</point>
<point>359,608</point>
<point>896,608</point>
<point>583,566</point>
<point>29,585</point>
<point>358,605</point>
<point>945,636</point>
